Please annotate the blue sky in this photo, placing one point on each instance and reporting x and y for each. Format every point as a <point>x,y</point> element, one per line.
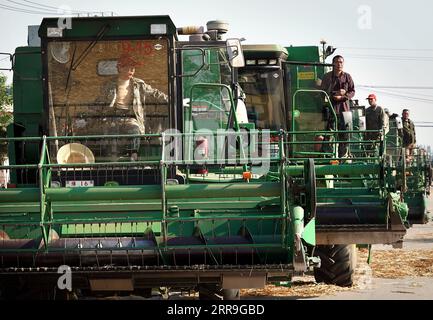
<point>385,43</point>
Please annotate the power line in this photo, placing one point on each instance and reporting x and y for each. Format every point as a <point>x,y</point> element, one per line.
<point>391,58</point>
<point>15,9</point>
<point>412,98</point>
<point>42,6</point>
<point>416,95</point>
<point>30,6</point>
<point>39,4</point>
<point>406,97</point>
<point>397,87</point>
<point>42,11</point>
<point>385,49</point>
<point>401,90</point>
<point>412,94</point>
<point>7,57</point>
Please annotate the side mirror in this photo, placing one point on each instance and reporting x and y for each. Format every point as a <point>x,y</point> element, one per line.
<point>235,53</point>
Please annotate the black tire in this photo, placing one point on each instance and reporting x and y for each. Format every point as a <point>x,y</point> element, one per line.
<point>310,187</point>
<point>208,292</point>
<point>338,263</point>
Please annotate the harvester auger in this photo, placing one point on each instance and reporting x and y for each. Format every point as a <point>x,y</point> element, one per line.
<point>358,198</point>
<point>109,193</point>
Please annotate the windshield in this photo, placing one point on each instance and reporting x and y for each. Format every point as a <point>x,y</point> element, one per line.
<point>108,88</point>
<point>264,97</point>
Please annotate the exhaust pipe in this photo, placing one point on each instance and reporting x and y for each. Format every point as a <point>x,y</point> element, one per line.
<point>215,31</point>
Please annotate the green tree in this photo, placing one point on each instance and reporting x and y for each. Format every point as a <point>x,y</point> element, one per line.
<point>5,116</point>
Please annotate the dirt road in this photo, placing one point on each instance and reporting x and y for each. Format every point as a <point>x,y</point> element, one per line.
<point>397,274</point>
<point>399,281</point>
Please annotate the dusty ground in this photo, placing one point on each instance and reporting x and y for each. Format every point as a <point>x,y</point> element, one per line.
<point>397,274</point>
<point>393,274</point>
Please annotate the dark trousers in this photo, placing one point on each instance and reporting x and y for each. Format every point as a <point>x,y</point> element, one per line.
<point>341,136</point>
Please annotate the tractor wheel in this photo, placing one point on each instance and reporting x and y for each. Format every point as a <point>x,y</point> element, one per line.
<point>338,264</point>
<point>209,292</point>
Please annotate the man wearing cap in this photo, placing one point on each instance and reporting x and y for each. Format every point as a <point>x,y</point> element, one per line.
<point>374,118</point>
<point>408,134</point>
<point>340,87</point>
<point>126,98</point>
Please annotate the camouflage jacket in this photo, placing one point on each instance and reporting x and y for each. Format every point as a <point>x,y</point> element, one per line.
<point>142,93</point>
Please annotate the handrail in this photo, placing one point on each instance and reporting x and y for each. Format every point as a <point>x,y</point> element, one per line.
<point>328,101</point>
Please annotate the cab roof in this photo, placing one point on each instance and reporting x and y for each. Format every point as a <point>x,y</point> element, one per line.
<point>125,26</point>
<point>265,51</point>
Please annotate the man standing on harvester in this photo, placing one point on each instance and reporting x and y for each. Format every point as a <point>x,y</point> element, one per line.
<point>126,98</point>
<point>375,118</point>
<point>340,87</point>
<point>408,135</point>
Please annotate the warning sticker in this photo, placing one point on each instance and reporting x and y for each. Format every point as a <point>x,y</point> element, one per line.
<point>306,75</point>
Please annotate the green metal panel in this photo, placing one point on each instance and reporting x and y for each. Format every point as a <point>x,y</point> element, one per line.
<point>343,169</point>
<point>27,81</point>
<point>28,99</point>
<point>108,229</point>
<point>306,107</point>
<point>303,53</point>
<point>309,233</point>
<point>304,76</point>
<point>173,191</point>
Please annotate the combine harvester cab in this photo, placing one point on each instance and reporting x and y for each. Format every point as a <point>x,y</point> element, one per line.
<point>126,192</point>
<point>357,199</point>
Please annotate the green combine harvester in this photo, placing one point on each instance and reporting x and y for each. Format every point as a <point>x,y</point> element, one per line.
<point>140,161</point>
<point>357,200</point>
<point>132,189</point>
